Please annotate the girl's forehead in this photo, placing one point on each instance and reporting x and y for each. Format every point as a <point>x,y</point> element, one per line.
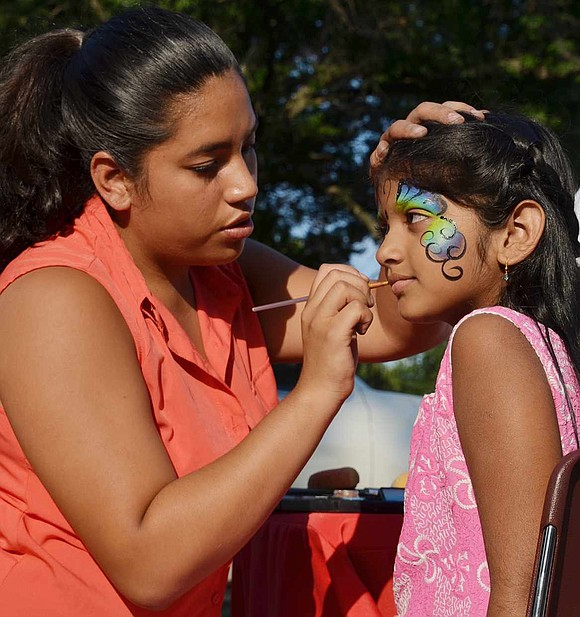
<point>386,193</point>
<point>215,90</point>
<point>220,112</point>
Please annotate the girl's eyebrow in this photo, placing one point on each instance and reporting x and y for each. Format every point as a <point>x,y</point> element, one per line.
<point>433,203</point>
<point>220,145</point>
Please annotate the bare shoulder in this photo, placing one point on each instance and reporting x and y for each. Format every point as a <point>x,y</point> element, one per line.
<point>57,323</point>
<point>495,367</point>
<point>52,284</point>
<point>490,339</point>
<point>502,400</point>
<point>57,300</point>
<point>69,375</point>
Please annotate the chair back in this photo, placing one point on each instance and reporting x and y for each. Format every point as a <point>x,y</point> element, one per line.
<point>555,589</point>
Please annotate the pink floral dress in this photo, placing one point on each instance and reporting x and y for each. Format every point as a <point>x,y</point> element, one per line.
<point>441,568</point>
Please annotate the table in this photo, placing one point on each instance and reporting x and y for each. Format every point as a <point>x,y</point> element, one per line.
<point>321,557</point>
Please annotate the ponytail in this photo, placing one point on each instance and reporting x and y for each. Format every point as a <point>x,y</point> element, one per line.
<point>39,171</point>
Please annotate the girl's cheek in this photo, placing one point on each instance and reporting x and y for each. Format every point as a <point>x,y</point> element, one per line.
<point>444,243</point>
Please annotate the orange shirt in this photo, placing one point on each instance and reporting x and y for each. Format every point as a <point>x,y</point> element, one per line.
<point>202,410</point>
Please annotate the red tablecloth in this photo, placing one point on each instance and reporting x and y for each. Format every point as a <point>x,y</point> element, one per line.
<point>321,564</point>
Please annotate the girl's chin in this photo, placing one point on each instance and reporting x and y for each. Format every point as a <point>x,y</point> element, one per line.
<point>419,316</point>
<point>221,258</point>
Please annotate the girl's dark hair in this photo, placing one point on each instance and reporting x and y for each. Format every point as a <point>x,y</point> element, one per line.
<point>66,95</point>
<point>490,166</point>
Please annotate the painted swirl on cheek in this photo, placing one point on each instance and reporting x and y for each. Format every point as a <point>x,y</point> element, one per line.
<point>442,241</point>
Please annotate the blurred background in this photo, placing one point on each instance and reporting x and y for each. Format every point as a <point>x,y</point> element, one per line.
<point>328,76</point>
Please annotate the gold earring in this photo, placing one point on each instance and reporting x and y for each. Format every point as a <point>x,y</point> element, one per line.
<point>506,276</point>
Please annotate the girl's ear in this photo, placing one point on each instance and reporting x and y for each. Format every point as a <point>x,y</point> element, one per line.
<point>111,182</point>
<point>522,232</point>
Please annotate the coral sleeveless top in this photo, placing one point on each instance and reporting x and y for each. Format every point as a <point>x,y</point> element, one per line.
<point>202,410</point>
<point>441,568</point>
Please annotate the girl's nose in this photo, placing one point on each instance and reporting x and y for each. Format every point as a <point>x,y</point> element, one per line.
<point>243,184</point>
<point>389,251</point>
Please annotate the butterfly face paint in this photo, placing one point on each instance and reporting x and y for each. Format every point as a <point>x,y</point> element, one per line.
<point>442,242</point>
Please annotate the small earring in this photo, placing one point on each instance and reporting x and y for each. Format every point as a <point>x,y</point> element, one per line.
<point>506,276</point>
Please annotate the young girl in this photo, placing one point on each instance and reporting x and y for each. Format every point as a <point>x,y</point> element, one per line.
<point>480,233</point>
<point>132,368</point>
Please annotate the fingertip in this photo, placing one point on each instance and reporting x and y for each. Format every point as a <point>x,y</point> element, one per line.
<point>478,113</point>
<point>362,328</point>
<point>381,149</point>
<point>418,131</point>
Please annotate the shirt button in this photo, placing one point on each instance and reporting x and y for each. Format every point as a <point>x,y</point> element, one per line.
<point>216,598</point>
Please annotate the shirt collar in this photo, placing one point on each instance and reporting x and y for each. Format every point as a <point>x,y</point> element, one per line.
<point>218,292</point>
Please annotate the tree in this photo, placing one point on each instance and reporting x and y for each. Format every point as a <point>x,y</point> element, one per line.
<point>415,375</point>
<point>326,77</point>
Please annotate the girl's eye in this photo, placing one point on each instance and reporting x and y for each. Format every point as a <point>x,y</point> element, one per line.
<point>382,227</point>
<point>416,217</point>
<point>206,168</point>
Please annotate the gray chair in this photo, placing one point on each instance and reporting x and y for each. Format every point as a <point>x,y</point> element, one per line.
<point>555,589</point>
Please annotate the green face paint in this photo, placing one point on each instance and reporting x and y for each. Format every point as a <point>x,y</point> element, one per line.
<point>442,242</point>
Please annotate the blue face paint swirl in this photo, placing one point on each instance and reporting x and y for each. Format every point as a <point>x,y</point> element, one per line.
<point>442,241</point>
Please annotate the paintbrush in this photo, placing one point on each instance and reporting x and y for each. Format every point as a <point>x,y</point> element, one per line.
<point>273,305</point>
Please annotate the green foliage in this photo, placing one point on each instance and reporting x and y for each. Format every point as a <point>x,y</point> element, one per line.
<point>20,19</point>
<point>327,76</point>
<point>415,375</point>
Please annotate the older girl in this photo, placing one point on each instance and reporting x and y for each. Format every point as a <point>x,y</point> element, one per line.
<point>136,458</point>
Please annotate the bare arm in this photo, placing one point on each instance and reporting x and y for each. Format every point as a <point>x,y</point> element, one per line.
<point>271,277</point>
<point>69,376</point>
<point>509,433</point>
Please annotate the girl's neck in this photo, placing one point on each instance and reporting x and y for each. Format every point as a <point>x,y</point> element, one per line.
<point>170,284</point>
<point>173,287</point>
<point>173,292</point>
<point>178,296</point>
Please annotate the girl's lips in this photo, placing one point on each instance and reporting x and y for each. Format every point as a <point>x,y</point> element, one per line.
<point>241,231</point>
<point>400,285</point>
